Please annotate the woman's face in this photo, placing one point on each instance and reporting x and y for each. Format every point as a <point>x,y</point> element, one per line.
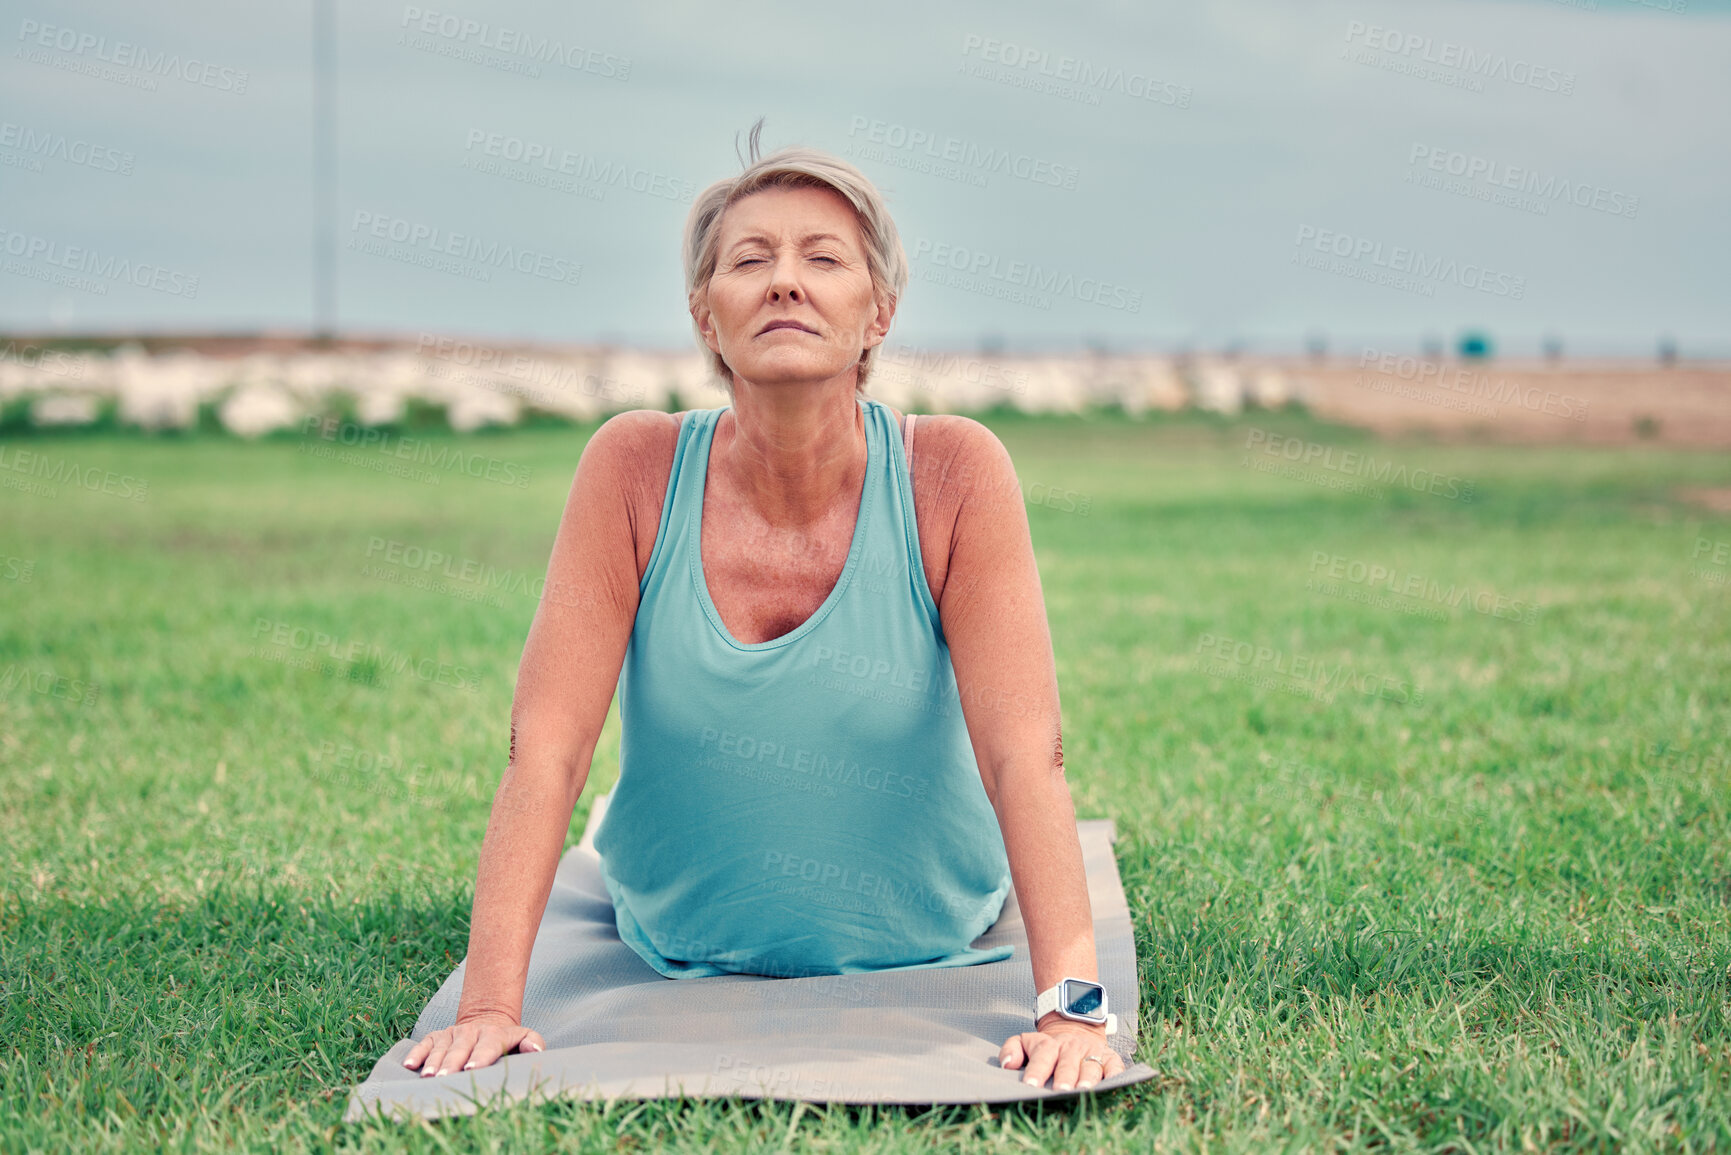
<point>791,299</point>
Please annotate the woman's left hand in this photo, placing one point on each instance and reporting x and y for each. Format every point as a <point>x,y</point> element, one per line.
<point>1069,1053</point>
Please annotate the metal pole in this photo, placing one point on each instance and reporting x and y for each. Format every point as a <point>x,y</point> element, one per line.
<point>324,171</point>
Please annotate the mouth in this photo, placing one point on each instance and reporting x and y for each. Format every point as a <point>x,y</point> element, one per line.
<point>774,325</point>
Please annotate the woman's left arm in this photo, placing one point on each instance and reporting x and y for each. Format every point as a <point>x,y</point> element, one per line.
<point>994,618</point>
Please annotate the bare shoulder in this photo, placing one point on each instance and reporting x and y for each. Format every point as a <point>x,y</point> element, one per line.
<point>632,452</point>
<point>964,483</point>
<point>960,433</point>
<point>626,439</point>
<point>629,457</point>
<point>959,460</point>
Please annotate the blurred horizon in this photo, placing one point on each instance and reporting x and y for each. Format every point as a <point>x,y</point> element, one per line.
<point>1241,178</point>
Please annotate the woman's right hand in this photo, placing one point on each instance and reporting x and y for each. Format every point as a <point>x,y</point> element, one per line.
<point>476,1042</point>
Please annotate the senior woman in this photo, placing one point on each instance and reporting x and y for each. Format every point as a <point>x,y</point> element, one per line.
<point>840,731</point>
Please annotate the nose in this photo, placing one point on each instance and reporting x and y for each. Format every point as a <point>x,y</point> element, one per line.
<point>784,279</point>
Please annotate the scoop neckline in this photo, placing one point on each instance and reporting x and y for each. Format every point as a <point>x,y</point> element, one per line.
<point>855,546</point>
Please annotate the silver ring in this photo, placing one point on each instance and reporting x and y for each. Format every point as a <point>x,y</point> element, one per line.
<point>1101,1059</point>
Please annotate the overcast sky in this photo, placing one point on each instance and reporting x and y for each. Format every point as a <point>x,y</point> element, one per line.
<point>1137,174</point>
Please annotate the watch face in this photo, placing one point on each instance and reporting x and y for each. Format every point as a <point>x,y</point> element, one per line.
<point>1080,998</point>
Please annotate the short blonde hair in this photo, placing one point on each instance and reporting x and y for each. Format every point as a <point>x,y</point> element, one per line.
<point>794,167</point>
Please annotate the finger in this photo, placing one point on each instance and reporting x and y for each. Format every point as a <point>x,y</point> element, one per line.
<point>430,1066</point>
<point>1112,1066</point>
<point>418,1052</point>
<point>1041,1059</point>
<point>487,1050</point>
<point>531,1042</point>
<point>1069,1066</point>
<point>425,1048</point>
<point>1011,1054</point>
<point>463,1042</point>
<point>1086,1078</point>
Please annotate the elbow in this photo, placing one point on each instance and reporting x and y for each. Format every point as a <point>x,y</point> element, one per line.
<point>548,760</point>
<point>1036,775</point>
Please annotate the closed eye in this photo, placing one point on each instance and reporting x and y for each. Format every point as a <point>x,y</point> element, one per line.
<point>744,261</point>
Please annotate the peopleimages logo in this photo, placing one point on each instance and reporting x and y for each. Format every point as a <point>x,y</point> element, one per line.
<point>579,166</point>
<point>986,159</point>
<point>417,559</point>
<point>1352,464</point>
<point>515,42</point>
<point>1718,555</point>
<point>1070,70</point>
<point>438,242</point>
<point>1305,675</point>
<point>312,643</point>
<point>123,54</point>
<point>816,764</point>
<point>917,363</point>
<point>542,381</point>
<point>69,150</point>
<point>79,259</point>
<point>47,683</point>
<point>416,451</point>
<point>1402,263</point>
<point>876,893</point>
<point>1470,61</point>
<point>975,264</point>
<point>1473,169</point>
<point>1296,781</point>
<point>58,470</point>
<point>1473,383</point>
<point>55,361</point>
<point>1391,579</point>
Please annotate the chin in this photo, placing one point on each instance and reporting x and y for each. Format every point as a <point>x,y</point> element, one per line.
<point>789,371</point>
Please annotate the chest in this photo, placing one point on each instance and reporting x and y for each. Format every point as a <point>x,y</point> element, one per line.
<point>767,580</point>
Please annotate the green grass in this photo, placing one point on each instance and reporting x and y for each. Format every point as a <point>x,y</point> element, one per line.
<point>1484,910</point>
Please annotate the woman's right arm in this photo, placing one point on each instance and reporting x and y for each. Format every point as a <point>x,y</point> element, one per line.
<point>565,683</point>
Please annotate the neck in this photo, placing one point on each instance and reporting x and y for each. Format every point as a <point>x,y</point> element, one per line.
<point>793,451</point>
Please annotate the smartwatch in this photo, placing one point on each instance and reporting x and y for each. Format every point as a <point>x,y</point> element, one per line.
<point>1077,999</point>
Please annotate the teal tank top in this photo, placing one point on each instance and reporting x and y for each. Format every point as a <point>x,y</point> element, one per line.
<point>807,805</point>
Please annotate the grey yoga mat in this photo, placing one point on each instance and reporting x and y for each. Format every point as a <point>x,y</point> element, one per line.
<point>616,1029</point>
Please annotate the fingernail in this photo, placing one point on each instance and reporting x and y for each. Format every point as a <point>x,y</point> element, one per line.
<point>1086,1086</point>
<point>1063,1087</point>
<point>468,1064</point>
<point>1030,1082</point>
<point>444,1071</point>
